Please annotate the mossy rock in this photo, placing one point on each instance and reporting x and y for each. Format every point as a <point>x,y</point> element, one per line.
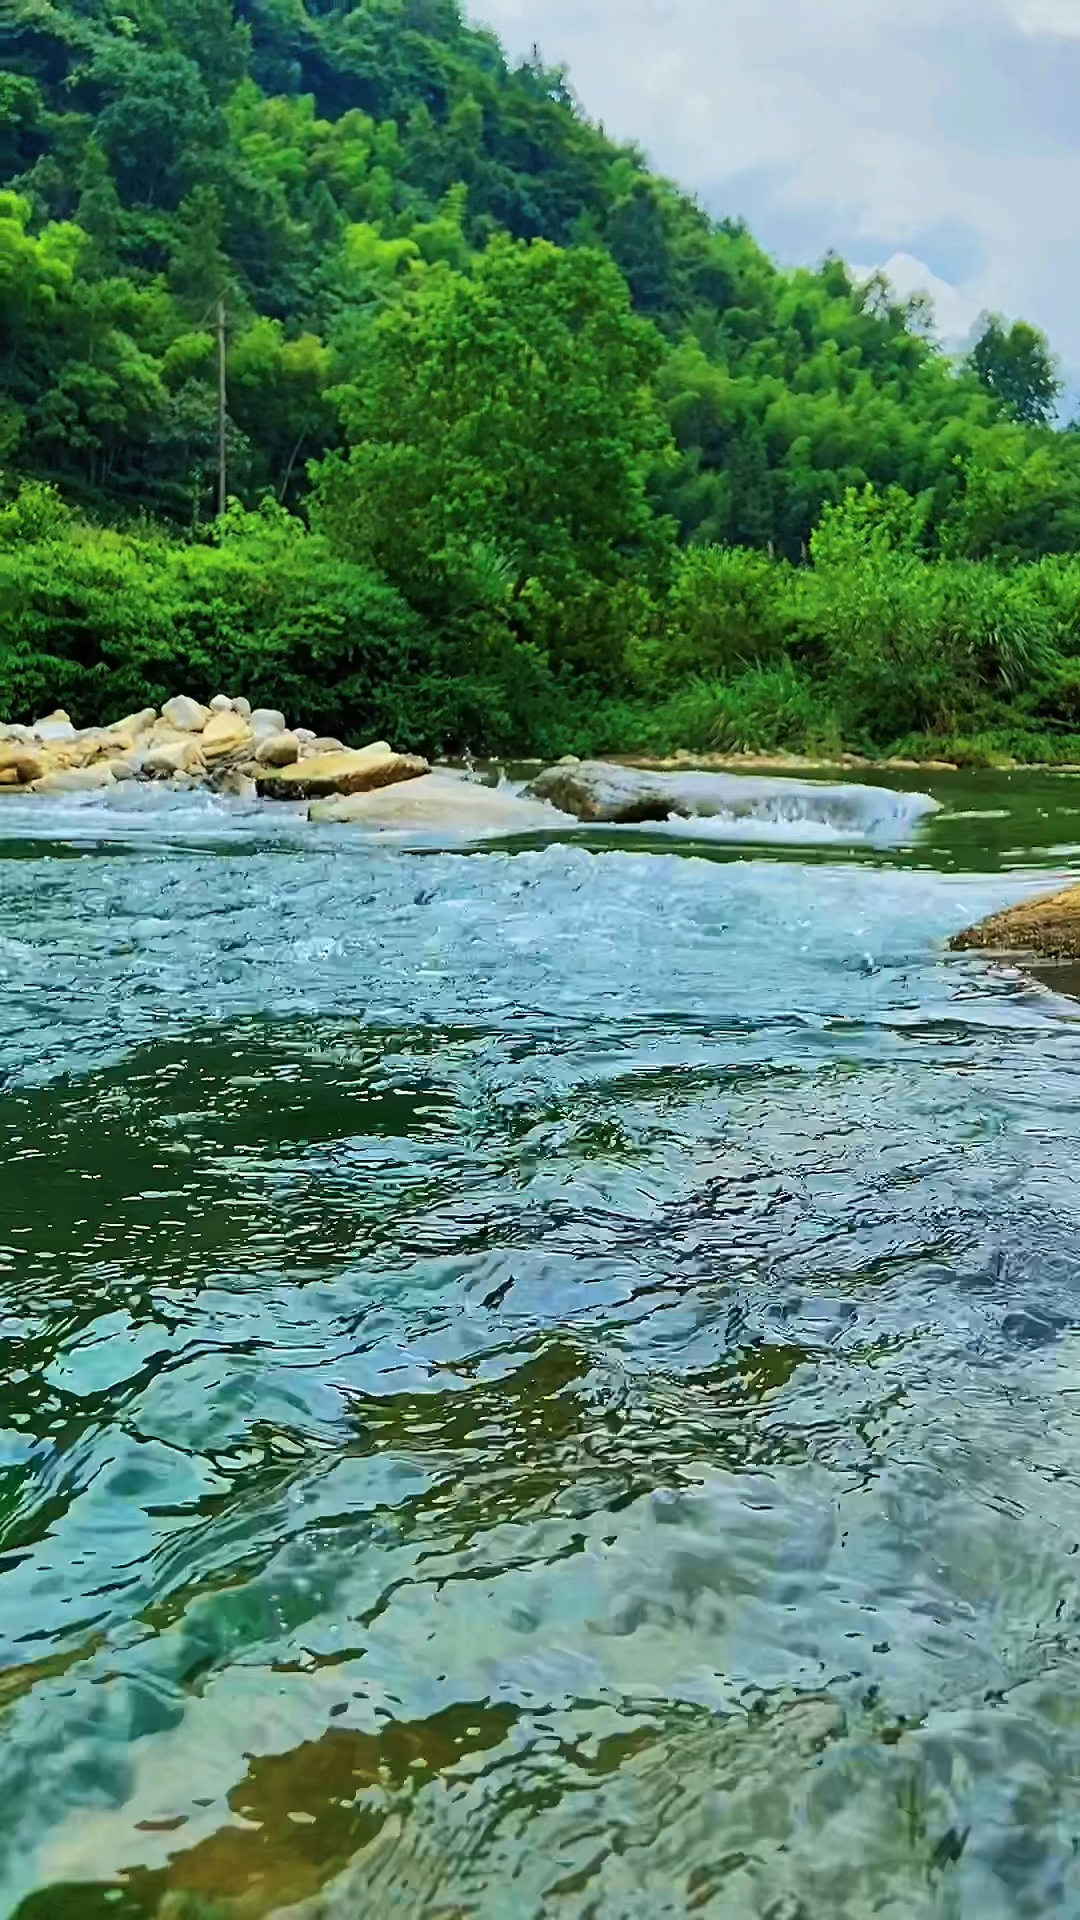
<point>1048,928</point>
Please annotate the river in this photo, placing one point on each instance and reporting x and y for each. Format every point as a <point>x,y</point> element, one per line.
<point>541,1380</point>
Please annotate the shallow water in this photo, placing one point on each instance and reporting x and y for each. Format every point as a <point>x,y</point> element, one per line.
<point>542,1380</point>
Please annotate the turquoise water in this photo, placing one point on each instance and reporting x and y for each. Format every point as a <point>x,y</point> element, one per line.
<point>537,1381</point>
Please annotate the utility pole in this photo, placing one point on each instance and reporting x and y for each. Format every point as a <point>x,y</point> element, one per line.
<point>223,491</point>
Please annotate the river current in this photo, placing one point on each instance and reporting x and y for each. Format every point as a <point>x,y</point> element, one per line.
<point>540,1379</point>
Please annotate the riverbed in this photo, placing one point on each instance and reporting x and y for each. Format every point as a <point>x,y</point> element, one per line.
<point>538,1379</point>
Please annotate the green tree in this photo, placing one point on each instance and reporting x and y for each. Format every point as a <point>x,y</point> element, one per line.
<point>278,397</point>
<point>1015,365</point>
<point>505,420</point>
<point>158,126</point>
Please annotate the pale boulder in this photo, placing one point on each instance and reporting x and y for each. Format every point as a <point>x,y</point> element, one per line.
<point>237,782</point>
<point>163,733</point>
<point>185,715</point>
<point>168,757</point>
<point>119,740</point>
<point>55,726</point>
<point>225,735</point>
<point>242,706</point>
<point>351,771</point>
<point>266,721</point>
<point>315,749</point>
<point>135,723</point>
<point>278,750</point>
<point>92,743</point>
<point>22,763</point>
<point>76,779</point>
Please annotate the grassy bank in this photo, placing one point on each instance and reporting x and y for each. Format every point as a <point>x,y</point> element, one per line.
<point>871,648</point>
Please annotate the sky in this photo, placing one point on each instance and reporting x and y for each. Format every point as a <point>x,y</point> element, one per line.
<point>937,139</point>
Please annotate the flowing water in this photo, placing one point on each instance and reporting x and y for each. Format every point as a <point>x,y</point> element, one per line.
<point>541,1380</point>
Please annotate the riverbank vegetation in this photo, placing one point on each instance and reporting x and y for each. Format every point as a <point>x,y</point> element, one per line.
<point>525,453</point>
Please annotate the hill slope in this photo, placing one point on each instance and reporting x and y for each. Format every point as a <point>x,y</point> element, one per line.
<point>505,371</point>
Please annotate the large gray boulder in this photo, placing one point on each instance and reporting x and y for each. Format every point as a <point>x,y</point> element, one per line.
<point>596,791</point>
<point>593,790</point>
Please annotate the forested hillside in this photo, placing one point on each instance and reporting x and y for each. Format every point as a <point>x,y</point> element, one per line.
<point>503,414</point>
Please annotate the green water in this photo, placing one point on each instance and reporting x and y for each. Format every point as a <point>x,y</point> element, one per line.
<point>537,1381</point>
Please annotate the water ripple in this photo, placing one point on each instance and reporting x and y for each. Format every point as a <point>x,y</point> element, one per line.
<point>543,1380</point>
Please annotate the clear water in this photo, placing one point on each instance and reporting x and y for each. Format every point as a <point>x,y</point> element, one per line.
<point>536,1381</point>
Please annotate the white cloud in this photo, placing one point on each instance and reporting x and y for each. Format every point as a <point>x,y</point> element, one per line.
<point>1061,17</point>
<point>940,131</point>
<point>955,312</point>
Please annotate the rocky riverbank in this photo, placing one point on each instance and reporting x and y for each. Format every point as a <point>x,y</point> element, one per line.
<point>229,749</point>
<point>225,746</point>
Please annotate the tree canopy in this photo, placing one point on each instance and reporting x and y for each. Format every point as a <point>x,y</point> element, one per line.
<point>524,447</point>
<point>313,164</point>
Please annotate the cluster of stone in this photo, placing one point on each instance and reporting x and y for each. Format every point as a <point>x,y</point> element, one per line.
<point>226,746</point>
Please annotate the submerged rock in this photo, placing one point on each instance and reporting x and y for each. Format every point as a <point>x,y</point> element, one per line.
<point>438,802</point>
<point>349,771</point>
<point>1048,927</point>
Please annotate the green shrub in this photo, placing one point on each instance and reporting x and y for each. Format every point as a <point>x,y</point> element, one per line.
<point>729,608</point>
<point>103,622</point>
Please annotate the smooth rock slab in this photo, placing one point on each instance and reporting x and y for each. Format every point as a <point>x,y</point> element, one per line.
<point>1048,927</point>
<point>436,802</point>
<point>347,772</point>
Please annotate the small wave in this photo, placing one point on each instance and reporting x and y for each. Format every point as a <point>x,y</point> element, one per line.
<point>796,809</point>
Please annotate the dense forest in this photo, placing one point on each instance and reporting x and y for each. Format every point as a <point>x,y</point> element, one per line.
<point>522,450</point>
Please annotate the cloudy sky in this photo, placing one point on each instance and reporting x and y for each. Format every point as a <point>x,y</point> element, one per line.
<point>939,139</point>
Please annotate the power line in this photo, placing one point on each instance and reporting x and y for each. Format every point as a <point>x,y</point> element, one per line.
<point>223,491</point>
